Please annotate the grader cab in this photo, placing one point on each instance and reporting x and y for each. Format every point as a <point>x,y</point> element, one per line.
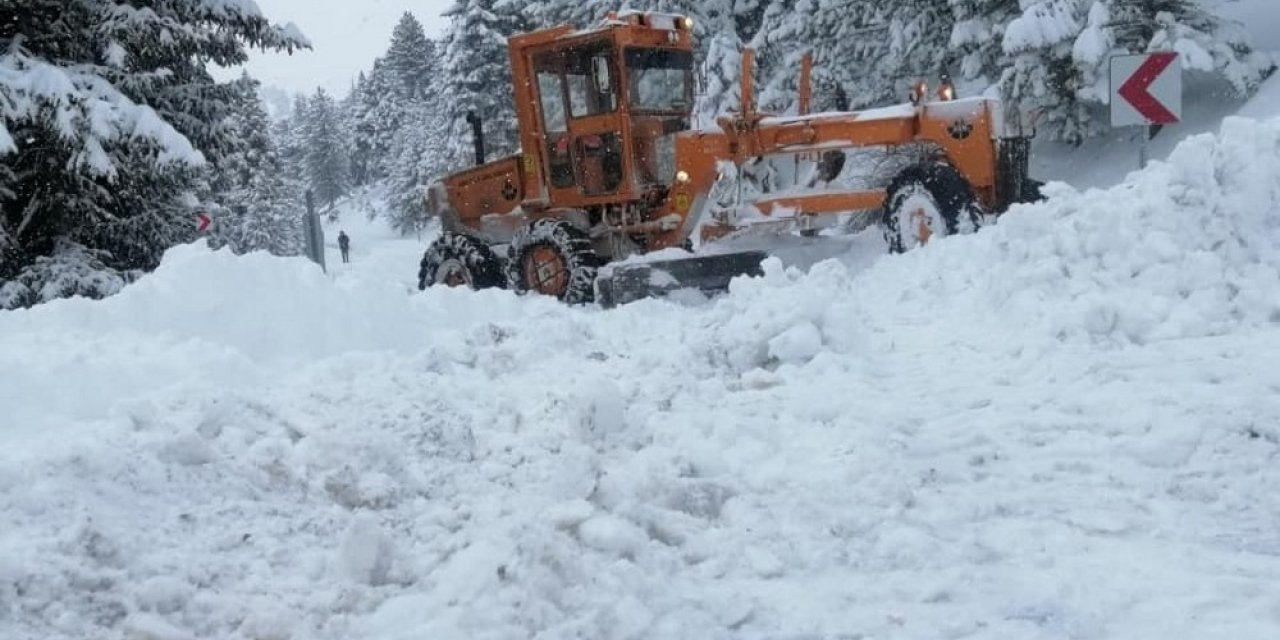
<point>610,169</point>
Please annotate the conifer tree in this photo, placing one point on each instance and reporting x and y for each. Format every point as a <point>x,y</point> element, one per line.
<point>417,163</point>
<point>477,75</point>
<point>977,37</point>
<point>326,163</point>
<point>1207,44</point>
<point>291,136</point>
<point>263,210</point>
<point>411,59</point>
<point>108,117</point>
<point>353,111</point>
<point>381,119</point>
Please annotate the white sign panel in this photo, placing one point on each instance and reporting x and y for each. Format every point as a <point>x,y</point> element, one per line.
<point>1146,89</point>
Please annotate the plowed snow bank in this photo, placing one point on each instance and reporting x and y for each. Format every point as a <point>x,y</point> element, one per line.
<point>1063,426</point>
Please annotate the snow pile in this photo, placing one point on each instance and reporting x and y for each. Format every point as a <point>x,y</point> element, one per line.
<point>1062,426</point>
<point>297,313</point>
<point>1188,248</point>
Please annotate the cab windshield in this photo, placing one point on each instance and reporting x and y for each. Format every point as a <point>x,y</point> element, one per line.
<point>660,79</point>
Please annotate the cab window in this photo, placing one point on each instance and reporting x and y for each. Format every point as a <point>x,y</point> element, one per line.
<point>661,79</point>
<point>548,70</point>
<point>590,77</point>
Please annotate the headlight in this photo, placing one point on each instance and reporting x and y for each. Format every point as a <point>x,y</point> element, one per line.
<point>682,177</point>
<point>687,23</point>
<point>919,91</point>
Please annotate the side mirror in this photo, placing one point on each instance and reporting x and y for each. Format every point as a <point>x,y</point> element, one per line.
<point>600,67</point>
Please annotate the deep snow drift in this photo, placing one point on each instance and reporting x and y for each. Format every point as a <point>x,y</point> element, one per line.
<point>1065,426</point>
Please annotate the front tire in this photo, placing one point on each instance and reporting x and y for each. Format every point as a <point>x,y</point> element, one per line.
<point>456,259</point>
<point>927,201</point>
<point>554,258</point>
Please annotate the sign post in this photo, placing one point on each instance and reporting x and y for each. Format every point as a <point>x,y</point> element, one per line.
<point>1146,92</point>
<point>314,234</point>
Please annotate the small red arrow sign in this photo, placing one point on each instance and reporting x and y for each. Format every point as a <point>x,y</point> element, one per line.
<point>1135,89</point>
<point>202,222</point>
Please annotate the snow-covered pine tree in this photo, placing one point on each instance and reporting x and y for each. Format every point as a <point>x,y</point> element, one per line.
<point>86,164</point>
<point>291,136</point>
<point>1044,79</point>
<point>918,47</point>
<point>412,59</point>
<point>1207,44</point>
<point>722,35</point>
<point>1051,57</point>
<point>477,75</point>
<point>541,14</point>
<point>353,109</point>
<point>397,121</point>
<point>232,164</point>
<point>871,51</point>
<point>325,161</point>
<point>977,37</point>
<point>382,119</point>
<point>417,162</point>
<point>263,210</point>
<point>727,28</point>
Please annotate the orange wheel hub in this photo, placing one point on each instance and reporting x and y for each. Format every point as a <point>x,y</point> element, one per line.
<point>545,271</point>
<point>452,274</point>
<point>455,278</point>
<point>923,230</point>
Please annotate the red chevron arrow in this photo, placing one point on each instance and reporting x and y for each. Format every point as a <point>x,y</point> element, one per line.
<point>202,222</point>
<point>1134,90</point>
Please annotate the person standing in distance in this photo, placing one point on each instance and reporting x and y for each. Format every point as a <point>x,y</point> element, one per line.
<point>344,243</point>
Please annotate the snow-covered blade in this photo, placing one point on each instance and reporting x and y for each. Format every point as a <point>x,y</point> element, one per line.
<point>621,283</point>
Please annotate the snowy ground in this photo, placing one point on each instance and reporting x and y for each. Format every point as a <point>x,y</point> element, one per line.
<point>378,253</point>
<point>1066,426</point>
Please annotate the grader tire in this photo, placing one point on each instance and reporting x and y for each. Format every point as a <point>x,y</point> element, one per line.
<point>554,258</point>
<point>927,201</point>
<point>456,259</point>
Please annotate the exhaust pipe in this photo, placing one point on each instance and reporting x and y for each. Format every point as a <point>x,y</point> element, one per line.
<point>477,135</point>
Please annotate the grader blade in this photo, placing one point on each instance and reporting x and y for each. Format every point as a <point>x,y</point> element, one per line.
<point>621,283</point>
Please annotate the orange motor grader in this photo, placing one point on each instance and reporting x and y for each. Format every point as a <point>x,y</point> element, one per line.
<point>611,181</point>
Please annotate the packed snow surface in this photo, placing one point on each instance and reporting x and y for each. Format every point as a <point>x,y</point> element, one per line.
<point>1064,426</point>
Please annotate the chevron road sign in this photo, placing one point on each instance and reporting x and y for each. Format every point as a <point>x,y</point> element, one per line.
<point>1146,90</point>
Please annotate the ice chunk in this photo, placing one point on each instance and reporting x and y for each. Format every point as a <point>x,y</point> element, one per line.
<point>797,344</point>
<point>365,552</point>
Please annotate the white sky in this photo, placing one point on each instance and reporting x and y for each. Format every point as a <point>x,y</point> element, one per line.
<point>346,35</point>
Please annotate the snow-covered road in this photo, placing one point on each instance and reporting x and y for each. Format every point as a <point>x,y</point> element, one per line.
<point>1065,426</point>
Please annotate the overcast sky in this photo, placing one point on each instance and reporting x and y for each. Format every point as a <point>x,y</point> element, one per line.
<point>346,35</point>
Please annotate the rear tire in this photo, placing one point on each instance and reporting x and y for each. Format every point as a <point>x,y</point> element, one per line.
<point>927,201</point>
<point>456,259</point>
<point>552,257</point>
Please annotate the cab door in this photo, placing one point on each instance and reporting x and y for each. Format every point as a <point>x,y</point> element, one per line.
<point>594,122</point>
<point>553,110</point>
<point>584,139</point>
